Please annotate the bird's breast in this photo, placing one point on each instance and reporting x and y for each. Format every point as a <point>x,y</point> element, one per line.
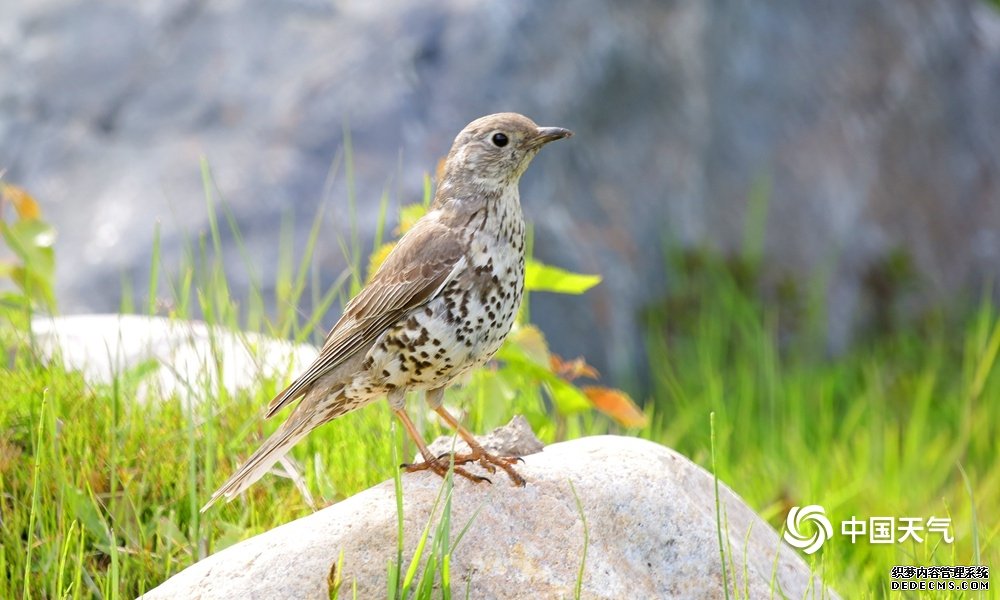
<point>465,324</point>
<point>462,327</point>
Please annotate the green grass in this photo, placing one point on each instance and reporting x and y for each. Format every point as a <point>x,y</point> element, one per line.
<point>904,424</point>
<point>107,490</point>
<point>99,495</point>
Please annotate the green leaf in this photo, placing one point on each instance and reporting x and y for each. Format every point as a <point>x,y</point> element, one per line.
<point>83,510</point>
<point>540,277</point>
<point>15,310</point>
<point>170,534</point>
<point>32,241</point>
<point>567,398</point>
<point>28,235</point>
<point>14,301</point>
<point>36,286</point>
<point>531,342</point>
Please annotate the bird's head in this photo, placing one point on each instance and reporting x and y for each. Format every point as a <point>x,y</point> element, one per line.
<point>494,151</point>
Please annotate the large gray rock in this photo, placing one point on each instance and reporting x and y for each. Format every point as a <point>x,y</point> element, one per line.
<point>650,513</point>
<point>872,125</point>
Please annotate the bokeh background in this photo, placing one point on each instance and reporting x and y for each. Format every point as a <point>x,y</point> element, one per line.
<point>853,145</point>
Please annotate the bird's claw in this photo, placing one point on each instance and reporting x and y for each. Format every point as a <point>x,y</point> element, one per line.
<point>441,468</point>
<point>487,461</point>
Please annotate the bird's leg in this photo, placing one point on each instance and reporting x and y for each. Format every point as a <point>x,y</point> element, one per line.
<point>430,461</point>
<point>478,453</point>
<point>435,398</point>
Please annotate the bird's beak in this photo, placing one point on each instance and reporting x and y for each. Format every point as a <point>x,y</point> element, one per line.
<point>549,134</point>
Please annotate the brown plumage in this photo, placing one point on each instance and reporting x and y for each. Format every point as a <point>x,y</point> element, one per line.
<point>439,306</point>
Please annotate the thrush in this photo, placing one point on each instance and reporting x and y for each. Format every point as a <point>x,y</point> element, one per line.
<point>439,306</point>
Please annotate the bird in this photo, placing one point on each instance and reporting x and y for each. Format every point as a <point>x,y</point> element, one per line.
<point>439,306</point>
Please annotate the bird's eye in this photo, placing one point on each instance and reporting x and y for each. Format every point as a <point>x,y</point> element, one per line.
<point>500,140</point>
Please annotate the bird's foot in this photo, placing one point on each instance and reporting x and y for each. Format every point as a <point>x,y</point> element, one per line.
<point>490,462</point>
<point>440,466</point>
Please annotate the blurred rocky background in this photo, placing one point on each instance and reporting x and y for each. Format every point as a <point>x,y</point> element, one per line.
<point>844,142</point>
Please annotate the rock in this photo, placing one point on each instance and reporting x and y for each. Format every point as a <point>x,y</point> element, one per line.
<point>185,356</point>
<point>871,126</point>
<point>650,513</point>
<point>513,439</point>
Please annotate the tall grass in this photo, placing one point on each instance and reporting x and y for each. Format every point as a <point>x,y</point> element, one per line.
<point>903,424</point>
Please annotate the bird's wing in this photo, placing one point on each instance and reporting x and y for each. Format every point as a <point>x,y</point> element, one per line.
<point>425,260</point>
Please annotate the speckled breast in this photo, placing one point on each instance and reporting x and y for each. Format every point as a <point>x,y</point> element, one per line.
<point>465,325</point>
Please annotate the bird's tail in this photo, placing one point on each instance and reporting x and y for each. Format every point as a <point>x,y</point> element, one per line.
<point>302,420</point>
